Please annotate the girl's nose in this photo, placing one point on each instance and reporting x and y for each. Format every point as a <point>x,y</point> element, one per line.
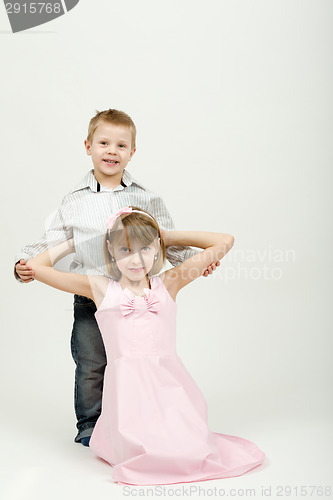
<point>136,259</point>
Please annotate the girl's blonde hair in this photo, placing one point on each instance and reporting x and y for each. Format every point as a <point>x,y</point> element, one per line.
<point>134,226</point>
<point>112,116</point>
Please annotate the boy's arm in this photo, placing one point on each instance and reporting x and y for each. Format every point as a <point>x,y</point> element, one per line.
<point>58,228</point>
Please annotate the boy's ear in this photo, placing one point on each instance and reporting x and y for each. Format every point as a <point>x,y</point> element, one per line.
<point>131,154</point>
<point>87,146</point>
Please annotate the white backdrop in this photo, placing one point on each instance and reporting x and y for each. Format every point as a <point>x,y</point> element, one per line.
<point>233,107</point>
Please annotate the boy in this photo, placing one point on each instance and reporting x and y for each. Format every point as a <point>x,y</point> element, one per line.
<point>82,216</point>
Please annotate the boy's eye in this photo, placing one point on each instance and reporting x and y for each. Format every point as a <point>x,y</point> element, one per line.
<point>120,145</point>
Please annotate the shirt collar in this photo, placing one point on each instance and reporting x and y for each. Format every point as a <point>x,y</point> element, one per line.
<point>89,181</point>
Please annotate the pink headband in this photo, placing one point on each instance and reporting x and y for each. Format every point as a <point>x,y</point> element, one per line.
<point>124,210</point>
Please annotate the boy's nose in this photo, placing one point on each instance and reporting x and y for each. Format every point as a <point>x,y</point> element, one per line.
<point>111,148</point>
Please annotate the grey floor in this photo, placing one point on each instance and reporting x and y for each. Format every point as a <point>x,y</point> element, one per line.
<point>37,465</point>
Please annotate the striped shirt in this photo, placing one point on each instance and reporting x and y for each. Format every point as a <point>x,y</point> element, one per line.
<point>83,214</point>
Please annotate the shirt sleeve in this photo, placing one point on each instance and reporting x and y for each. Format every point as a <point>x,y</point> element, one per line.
<point>58,228</point>
<point>175,254</point>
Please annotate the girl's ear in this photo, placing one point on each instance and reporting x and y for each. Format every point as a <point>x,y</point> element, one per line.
<point>109,248</point>
<point>158,244</point>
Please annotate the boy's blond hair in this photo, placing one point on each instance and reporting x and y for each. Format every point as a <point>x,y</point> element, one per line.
<point>112,116</point>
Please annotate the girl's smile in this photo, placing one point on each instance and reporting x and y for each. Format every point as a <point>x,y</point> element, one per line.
<point>137,270</point>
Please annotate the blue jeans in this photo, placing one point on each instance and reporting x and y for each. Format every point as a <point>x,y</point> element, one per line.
<point>89,356</point>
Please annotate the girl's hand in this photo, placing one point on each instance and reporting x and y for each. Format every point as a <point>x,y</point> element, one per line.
<point>211,268</point>
<point>24,271</point>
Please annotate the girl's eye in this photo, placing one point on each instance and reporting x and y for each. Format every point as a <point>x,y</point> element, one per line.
<point>123,249</point>
<point>146,248</point>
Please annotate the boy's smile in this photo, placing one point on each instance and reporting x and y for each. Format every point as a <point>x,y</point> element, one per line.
<point>110,152</point>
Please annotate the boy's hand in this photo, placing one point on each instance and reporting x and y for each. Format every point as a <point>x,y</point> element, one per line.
<point>24,271</point>
<point>211,268</point>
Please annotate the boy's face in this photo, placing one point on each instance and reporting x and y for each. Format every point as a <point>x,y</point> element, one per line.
<point>110,149</point>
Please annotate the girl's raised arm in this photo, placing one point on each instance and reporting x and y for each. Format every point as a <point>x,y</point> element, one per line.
<point>65,281</point>
<point>215,245</point>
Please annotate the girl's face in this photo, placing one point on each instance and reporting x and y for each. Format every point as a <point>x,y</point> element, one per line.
<point>134,262</point>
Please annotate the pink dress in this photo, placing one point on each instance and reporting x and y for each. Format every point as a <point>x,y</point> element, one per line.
<point>153,425</point>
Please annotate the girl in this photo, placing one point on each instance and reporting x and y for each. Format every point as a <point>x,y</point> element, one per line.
<point>153,426</point>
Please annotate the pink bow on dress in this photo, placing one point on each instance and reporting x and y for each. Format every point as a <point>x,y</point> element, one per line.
<point>127,302</point>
